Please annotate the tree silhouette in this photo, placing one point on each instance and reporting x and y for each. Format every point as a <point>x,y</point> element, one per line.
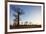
<point>26,23</point>
<point>19,12</point>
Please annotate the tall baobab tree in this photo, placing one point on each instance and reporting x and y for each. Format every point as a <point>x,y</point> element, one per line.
<point>18,12</point>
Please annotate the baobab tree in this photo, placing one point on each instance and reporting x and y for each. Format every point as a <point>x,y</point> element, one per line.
<point>18,12</point>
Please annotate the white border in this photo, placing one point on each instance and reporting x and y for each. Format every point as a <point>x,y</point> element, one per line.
<point>29,29</point>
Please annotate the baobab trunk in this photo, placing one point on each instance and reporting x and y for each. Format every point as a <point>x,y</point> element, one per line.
<point>18,19</point>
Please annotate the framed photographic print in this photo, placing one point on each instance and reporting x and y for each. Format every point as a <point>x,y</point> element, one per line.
<point>24,16</point>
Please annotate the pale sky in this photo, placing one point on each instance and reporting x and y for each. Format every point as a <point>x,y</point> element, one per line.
<point>31,13</point>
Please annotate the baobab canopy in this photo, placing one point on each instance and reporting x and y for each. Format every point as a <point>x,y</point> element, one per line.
<point>17,9</point>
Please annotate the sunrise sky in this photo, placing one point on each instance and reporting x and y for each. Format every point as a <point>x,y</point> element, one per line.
<point>31,13</point>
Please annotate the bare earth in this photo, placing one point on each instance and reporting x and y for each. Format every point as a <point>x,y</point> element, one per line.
<point>26,26</point>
